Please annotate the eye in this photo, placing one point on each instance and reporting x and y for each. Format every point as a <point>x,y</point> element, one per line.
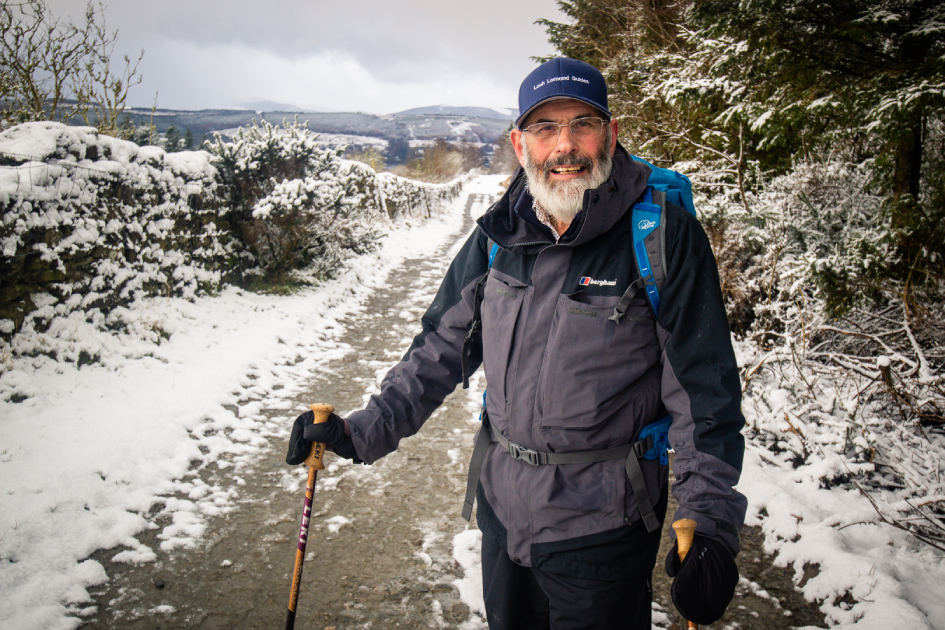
<point>544,129</point>
<point>586,126</point>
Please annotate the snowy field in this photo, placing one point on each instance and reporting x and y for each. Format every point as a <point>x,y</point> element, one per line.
<point>87,453</point>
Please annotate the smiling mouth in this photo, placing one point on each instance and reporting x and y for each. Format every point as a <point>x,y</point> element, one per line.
<point>568,170</point>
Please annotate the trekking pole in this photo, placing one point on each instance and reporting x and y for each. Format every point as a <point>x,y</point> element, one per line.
<point>315,464</point>
<point>685,531</point>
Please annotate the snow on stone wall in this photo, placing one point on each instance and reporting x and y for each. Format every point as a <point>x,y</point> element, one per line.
<point>91,222</point>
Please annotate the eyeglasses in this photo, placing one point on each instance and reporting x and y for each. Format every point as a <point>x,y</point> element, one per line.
<point>580,128</point>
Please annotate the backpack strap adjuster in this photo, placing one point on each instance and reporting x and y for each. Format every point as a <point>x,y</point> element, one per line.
<point>525,454</point>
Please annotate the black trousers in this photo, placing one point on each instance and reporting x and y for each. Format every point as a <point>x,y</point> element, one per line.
<point>524,598</point>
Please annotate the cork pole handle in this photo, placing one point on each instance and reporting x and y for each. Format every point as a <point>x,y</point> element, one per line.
<point>685,532</point>
<point>314,460</point>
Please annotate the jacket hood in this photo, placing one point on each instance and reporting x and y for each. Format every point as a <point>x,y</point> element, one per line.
<point>603,207</point>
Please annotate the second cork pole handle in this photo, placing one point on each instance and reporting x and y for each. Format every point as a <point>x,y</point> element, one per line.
<point>685,532</point>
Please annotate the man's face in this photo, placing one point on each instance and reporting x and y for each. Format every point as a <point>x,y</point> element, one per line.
<point>559,170</point>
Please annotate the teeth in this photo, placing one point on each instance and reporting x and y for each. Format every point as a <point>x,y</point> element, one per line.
<point>568,169</point>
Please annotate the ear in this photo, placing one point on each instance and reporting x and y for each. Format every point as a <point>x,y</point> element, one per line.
<point>614,128</point>
<point>517,138</point>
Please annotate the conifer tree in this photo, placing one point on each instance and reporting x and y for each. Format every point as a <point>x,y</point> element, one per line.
<point>172,139</point>
<point>868,68</point>
<point>864,78</point>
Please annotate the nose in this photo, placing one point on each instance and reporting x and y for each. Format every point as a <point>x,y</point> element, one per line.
<point>566,141</point>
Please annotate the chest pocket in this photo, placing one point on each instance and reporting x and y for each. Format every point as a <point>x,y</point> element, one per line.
<point>502,304</point>
<point>593,363</point>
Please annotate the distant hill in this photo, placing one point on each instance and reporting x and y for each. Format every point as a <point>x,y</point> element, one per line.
<point>419,126</point>
<point>468,112</point>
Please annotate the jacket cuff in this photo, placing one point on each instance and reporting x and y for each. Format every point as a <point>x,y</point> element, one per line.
<point>717,528</point>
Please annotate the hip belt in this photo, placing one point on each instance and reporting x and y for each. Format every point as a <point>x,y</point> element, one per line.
<point>652,442</point>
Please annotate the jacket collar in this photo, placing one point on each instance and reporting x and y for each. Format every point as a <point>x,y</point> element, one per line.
<point>505,224</point>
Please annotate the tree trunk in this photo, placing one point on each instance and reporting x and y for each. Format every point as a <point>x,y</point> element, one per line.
<point>908,164</point>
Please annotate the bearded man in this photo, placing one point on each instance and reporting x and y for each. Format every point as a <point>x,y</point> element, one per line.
<point>570,510</point>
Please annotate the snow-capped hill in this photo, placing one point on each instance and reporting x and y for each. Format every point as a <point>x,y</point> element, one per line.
<point>468,112</point>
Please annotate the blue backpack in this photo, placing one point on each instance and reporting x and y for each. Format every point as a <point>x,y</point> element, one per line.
<point>649,239</point>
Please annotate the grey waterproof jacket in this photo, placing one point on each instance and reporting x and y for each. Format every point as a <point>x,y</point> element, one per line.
<point>562,377</point>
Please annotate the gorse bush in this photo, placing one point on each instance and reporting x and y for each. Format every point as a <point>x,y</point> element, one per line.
<point>300,208</point>
<point>312,223</point>
<point>296,205</point>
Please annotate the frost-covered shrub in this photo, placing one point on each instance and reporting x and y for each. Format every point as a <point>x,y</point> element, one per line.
<point>738,240</point>
<point>91,222</point>
<point>260,156</point>
<point>299,208</point>
<point>312,224</point>
<point>854,398</point>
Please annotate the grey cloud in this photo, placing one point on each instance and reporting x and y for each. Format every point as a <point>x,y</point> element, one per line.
<point>399,41</point>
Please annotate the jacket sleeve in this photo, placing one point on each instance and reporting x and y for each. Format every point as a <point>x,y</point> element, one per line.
<point>432,367</point>
<point>701,386</point>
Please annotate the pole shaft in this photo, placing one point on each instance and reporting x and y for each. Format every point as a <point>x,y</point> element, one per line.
<point>300,550</point>
<point>315,464</point>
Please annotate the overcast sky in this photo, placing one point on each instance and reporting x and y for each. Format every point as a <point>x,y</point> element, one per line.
<point>377,56</point>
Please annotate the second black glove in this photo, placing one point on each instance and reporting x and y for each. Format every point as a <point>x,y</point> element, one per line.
<point>705,581</point>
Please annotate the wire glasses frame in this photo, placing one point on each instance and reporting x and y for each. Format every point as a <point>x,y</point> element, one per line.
<point>580,128</point>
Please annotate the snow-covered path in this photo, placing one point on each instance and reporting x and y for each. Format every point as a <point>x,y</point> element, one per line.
<point>149,487</point>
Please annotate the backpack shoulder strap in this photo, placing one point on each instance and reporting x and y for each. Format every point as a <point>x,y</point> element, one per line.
<point>475,326</point>
<point>649,242</point>
<point>492,252</point>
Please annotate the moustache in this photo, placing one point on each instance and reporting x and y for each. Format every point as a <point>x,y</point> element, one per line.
<point>568,160</point>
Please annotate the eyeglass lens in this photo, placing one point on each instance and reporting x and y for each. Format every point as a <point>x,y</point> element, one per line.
<point>581,127</point>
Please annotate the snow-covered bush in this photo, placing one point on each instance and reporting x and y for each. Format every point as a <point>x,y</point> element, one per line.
<point>300,208</point>
<point>312,224</point>
<point>91,222</point>
<point>853,399</point>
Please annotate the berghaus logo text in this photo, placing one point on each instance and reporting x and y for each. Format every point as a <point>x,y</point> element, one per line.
<point>587,280</point>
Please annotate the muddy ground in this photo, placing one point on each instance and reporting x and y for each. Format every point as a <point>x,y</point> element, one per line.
<point>381,546</point>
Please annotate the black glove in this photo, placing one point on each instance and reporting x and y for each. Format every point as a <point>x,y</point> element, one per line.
<point>705,581</point>
<point>331,433</point>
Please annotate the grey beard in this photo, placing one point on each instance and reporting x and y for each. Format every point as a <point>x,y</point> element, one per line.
<point>563,200</point>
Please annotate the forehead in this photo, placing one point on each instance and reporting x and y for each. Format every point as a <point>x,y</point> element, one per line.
<point>564,110</point>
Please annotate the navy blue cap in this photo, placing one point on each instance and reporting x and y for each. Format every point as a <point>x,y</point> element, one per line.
<point>561,78</point>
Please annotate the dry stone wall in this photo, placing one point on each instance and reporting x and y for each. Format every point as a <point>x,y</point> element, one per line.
<point>91,222</point>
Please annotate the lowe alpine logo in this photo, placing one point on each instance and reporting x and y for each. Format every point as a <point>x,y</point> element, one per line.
<point>587,280</point>
<point>647,224</point>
